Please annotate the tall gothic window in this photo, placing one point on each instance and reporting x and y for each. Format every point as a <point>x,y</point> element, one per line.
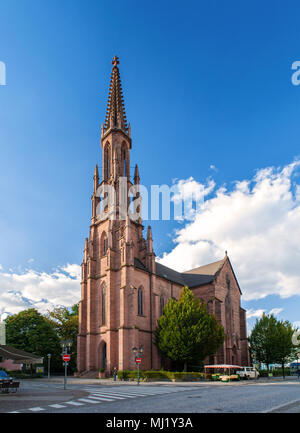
<point>140,302</point>
<point>104,244</point>
<point>228,282</point>
<point>107,161</point>
<point>162,305</point>
<point>103,304</point>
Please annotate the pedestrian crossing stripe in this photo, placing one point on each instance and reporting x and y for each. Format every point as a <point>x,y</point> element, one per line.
<point>57,406</point>
<point>75,403</point>
<point>100,398</point>
<point>104,395</point>
<point>36,409</point>
<point>88,400</point>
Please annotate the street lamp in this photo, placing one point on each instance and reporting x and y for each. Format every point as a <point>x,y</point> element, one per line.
<point>49,358</point>
<point>65,345</point>
<point>138,353</point>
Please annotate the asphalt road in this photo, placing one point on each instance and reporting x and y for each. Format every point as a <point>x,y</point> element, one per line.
<point>242,397</point>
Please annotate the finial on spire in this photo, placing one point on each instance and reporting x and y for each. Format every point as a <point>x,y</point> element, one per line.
<point>136,175</point>
<point>226,253</point>
<point>115,61</point>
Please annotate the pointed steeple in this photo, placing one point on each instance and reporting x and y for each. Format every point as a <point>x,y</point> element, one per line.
<point>96,178</point>
<point>149,240</point>
<point>115,115</point>
<point>136,175</point>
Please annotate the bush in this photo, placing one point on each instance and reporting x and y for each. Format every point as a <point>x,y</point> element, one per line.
<point>19,374</point>
<point>160,375</point>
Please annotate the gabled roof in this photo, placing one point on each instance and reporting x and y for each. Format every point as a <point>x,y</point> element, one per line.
<point>210,269</point>
<point>190,278</point>
<point>19,356</point>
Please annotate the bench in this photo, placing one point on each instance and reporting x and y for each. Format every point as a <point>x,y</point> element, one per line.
<point>7,385</point>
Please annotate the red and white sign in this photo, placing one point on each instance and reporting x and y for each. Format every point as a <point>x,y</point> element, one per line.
<point>66,358</point>
<point>138,360</point>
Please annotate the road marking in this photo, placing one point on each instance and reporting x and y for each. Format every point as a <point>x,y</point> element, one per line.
<point>74,403</point>
<point>57,406</point>
<point>88,401</point>
<point>100,398</point>
<point>123,394</point>
<point>281,406</point>
<point>36,409</point>
<point>105,395</point>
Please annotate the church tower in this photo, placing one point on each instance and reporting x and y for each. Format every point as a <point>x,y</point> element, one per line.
<point>123,289</point>
<point>107,310</point>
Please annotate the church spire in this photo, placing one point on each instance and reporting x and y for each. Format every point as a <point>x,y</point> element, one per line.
<point>115,115</point>
<point>136,175</point>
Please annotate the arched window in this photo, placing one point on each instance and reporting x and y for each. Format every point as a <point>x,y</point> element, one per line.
<point>140,302</point>
<point>104,244</point>
<point>162,305</point>
<point>103,305</point>
<point>107,161</point>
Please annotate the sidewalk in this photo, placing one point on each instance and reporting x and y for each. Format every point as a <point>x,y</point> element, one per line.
<point>29,397</point>
<point>110,382</point>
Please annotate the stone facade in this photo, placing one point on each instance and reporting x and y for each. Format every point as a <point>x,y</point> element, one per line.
<point>124,289</point>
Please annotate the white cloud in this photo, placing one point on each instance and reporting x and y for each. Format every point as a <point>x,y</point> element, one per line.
<point>296,324</point>
<point>275,311</point>
<point>258,223</point>
<point>254,313</point>
<point>40,290</point>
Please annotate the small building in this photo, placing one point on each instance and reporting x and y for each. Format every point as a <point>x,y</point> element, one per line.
<point>13,359</point>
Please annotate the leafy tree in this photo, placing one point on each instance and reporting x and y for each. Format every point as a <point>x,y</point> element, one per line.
<point>271,341</point>
<point>186,332</point>
<point>65,324</point>
<point>30,331</point>
<point>286,349</point>
<point>262,340</point>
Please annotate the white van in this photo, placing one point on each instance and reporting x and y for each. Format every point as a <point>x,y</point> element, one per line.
<point>248,373</point>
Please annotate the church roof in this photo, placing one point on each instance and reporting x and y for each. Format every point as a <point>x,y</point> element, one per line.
<point>115,113</point>
<point>189,278</point>
<point>210,269</point>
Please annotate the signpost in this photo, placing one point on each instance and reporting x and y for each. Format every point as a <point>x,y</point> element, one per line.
<point>138,353</point>
<point>66,358</point>
<point>138,360</point>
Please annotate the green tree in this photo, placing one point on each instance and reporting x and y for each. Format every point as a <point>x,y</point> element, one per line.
<point>65,323</point>
<point>271,341</point>
<point>285,348</point>
<point>186,332</point>
<point>30,331</point>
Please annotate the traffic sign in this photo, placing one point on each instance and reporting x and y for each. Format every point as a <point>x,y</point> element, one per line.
<point>66,358</point>
<point>138,360</point>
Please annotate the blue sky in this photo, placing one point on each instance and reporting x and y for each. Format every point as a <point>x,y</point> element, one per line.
<point>205,84</point>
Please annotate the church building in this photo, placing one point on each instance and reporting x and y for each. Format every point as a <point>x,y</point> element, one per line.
<point>124,289</point>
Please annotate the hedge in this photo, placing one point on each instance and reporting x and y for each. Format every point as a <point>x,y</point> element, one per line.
<point>149,375</point>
